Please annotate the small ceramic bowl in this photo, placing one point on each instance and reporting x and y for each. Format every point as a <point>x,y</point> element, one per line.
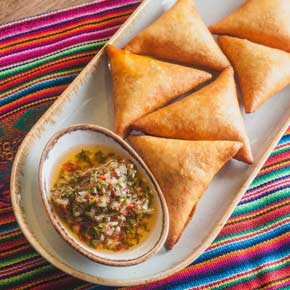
<point>82,135</point>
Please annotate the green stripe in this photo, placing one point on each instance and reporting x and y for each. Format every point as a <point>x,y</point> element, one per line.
<point>40,78</point>
<point>253,275</point>
<point>14,280</point>
<point>49,35</point>
<point>18,257</point>
<point>280,150</point>
<point>262,202</point>
<point>253,230</point>
<point>12,236</point>
<point>59,55</point>
<point>267,177</point>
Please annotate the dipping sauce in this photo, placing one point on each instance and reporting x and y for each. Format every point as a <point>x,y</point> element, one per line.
<point>103,199</point>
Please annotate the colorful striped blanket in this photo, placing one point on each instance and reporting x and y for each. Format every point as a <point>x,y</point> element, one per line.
<point>39,57</point>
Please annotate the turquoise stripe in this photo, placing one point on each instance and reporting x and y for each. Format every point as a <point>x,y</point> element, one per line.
<point>245,244</point>
<point>38,87</point>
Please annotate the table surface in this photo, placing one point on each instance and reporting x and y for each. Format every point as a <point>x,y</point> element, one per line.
<point>15,9</point>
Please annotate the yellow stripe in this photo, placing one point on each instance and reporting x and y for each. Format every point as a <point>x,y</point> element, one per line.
<point>275,166</point>
<point>275,283</point>
<point>243,236</point>
<point>30,83</point>
<point>257,213</point>
<point>251,272</point>
<point>48,64</point>
<point>26,246</point>
<point>27,106</point>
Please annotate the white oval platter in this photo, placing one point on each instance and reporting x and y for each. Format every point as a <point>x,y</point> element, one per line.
<point>89,100</point>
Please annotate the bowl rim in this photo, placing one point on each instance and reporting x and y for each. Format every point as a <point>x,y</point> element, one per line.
<point>61,228</point>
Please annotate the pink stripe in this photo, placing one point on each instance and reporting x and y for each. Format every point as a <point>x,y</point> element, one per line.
<point>287,283</point>
<point>60,36</point>
<point>259,209</point>
<point>241,257</point>
<point>248,236</point>
<point>199,268</point>
<point>234,277</point>
<point>85,37</point>
<point>260,191</point>
<point>64,15</point>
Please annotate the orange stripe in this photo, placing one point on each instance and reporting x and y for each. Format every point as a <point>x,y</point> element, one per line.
<point>35,94</point>
<point>68,27</point>
<point>46,65</point>
<point>44,78</point>
<point>27,106</point>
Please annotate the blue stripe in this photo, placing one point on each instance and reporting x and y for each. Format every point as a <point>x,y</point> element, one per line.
<point>37,87</point>
<point>233,269</point>
<point>8,227</point>
<point>266,193</point>
<point>241,245</point>
<point>271,177</point>
<point>284,139</point>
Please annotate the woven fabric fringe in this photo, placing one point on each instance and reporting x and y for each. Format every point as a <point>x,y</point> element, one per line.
<point>39,57</point>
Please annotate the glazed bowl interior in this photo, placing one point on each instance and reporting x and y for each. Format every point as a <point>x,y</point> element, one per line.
<point>87,135</point>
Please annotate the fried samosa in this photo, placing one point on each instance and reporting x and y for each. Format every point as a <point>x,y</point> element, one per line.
<point>262,21</point>
<point>183,170</point>
<point>262,71</point>
<point>180,35</point>
<point>142,85</point>
<point>212,113</point>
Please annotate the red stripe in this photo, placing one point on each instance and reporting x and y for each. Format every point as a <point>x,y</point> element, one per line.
<point>262,190</point>
<point>54,91</point>
<point>248,236</point>
<point>261,210</point>
<point>257,269</point>
<point>245,225</point>
<point>21,248</point>
<point>49,77</point>
<point>262,279</point>
<point>17,112</point>
<point>35,38</point>
<point>7,246</point>
<point>21,267</point>
<point>285,164</point>
<point>63,63</point>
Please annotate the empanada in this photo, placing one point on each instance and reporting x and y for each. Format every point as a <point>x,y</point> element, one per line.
<point>180,35</point>
<point>262,70</point>
<point>183,170</point>
<point>142,85</point>
<point>211,113</point>
<point>263,21</point>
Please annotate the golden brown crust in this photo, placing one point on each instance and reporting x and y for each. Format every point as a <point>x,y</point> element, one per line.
<point>142,84</point>
<point>183,170</point>
<point>180,35</point>
<point>263,21</point>
<point>262,71</point>
<point>211,113</point>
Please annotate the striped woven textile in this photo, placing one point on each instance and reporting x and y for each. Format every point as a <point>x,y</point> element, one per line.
<point>39,57</point>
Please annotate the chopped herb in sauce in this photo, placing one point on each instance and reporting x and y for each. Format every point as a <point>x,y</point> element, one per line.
<point>103,199</point>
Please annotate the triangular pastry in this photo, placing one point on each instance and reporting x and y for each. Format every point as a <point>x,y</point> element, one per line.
<point>262,71</point>
<point>211,113</point>
<point>142,85</point>
<point>263,21</point>
<point>180,35</point>
<point>183,170</point>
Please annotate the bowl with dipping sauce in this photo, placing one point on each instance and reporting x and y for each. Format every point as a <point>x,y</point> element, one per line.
<point>101,197</point>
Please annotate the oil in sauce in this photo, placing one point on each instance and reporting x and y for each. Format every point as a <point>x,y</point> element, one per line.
<point>115,210</point>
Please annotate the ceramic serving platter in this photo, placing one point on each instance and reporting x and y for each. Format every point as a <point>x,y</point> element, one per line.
<point>89,100</point>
